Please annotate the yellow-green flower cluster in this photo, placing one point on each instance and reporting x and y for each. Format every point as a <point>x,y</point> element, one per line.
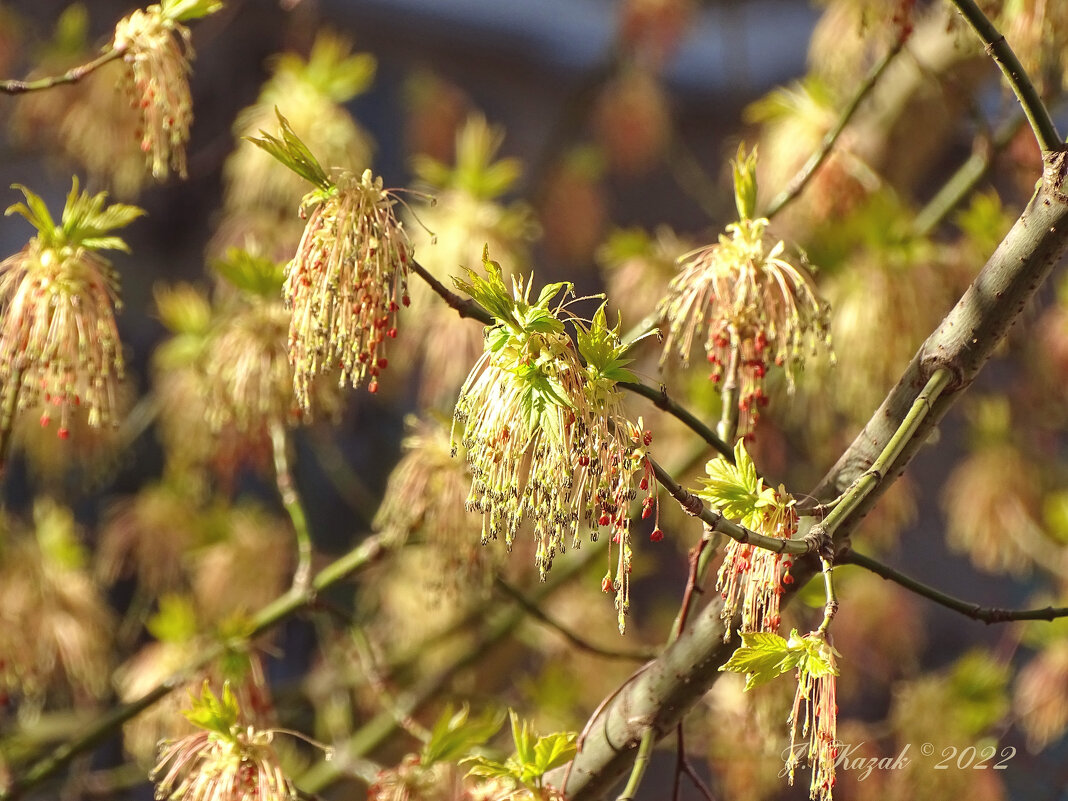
<point>544,427</point>
<point>749,578</point>
<point>757,308</point>
<point>223,760</point>
<point>156,48</point>
<point>814,716</point>
<point>349,276</point>
<point>59,346</point>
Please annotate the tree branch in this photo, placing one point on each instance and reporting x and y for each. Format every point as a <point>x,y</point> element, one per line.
<point>73,75</point>
<point>986,614</point>
<point>963,342</point>
<point>798,183</point>
<point>965,179</point>
<point>998,49</point>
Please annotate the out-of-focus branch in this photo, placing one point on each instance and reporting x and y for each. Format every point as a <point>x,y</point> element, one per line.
<point>296,599</point>
<point>798,183</point>
<point>73,75</point>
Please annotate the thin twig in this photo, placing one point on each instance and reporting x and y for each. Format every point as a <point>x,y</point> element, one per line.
<point>694,506</point>
<point>73,75</point>
<point>985,614</point>
<point>287,489</point>
<point>532,609</point>
<point>663,401</point>
<point>997,47</point>
<point>800,180</point>
<point>877,473</point>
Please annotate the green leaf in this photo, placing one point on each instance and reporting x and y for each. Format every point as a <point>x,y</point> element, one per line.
<point>523,739</point>
<point>736,490</point>
<point>454,735</point>
<point>214,714</point>
<point>745,183</point>
<point>176,620</point>
<point>34,210</point>
<point>762,656</point>
<point>554,750</point>
<point>251,273</point>
<point>293,153</point>
<point>185,10</point>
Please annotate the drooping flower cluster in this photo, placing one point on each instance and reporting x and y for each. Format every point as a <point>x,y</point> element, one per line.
<point>759,309</point>
<point>55,624</point>
<point>59,346</point>
<point>749,578</point>
<point>814,716</point>
<point>546,435</point>
<point>349,275</point>
<point>225,759</point>
<point>156,48</point>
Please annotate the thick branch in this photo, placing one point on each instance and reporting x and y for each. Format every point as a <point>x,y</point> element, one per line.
<point>673,683</point>
<point>986,614</point>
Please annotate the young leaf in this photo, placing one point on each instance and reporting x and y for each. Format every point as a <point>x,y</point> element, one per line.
<point>185,10</point>
<point>554,750</point>
<point>762,656</point>
<point>293,153</point>
<point>256,275</point>
<point>214,714</point>
<point>454,735</point>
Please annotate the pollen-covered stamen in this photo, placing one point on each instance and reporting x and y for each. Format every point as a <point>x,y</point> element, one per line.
<point>346,284</point>
<point>157,52</point>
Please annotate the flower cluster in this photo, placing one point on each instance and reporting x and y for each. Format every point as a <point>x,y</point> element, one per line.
<point>224,759</point>
<point>749,578</point>
<point>57,626</point>
<point>815,713</point>
<point>759,309</point>
<point>59,346</point>
<point>349,276</point>
<point>545,430</point>
<point>157,51</point>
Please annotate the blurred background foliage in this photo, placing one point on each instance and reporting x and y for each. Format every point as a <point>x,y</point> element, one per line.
<point>586,140</point>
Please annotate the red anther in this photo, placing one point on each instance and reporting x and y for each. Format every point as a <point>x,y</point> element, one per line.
<point>45,420</point>
<point>383,363</point>
<point>604,520</point>
<point>644,483</point>
<point>656,535</point>
<point>361,358</point>
<point>64,433</point>
<point>760,369</point>
<point>407,301</point>
<point>392,333</point>
<point>393,306</point>
<point>583,460</point>
<point>648,510</point>
<point>647,438</point>
<point>714,378</point>
<point>787,579</point>
<point>373,386</point>
<point>606,584</point>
